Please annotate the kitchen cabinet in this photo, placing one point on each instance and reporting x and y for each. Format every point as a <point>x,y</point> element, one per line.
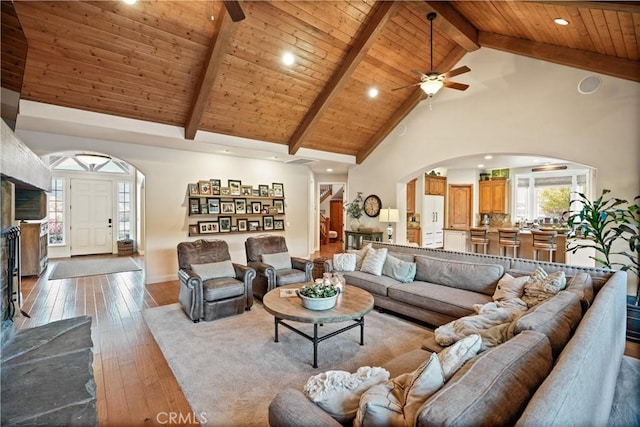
<point>435,185</point>
<point>432,221</point>
<point>494,196</point>
<point>414,235</point>
<point>456,240</point>
<point>33,247</point>
<point>411,196</point>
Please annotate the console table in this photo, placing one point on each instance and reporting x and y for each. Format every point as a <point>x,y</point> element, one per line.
<point>353,239</point>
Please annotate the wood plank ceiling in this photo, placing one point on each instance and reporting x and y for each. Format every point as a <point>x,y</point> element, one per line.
<point>169,62</point>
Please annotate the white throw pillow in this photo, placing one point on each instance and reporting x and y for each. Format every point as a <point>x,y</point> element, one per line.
<point>510,287</point>
<point>452,358</point>
<point>338,392</point>
<point>344,262</point>
<point>214,270</point>
<point>279,260</point>
<point>374,261</point>
<point>359,253</point>
<point>398,401</point>
<point>542,286</point>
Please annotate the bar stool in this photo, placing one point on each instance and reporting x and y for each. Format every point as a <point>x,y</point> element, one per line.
<point>508,238</point>
<point>544,241</point>
<point>479,237</point>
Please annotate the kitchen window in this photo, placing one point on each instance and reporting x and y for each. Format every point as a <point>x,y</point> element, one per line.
<point>545,196</point>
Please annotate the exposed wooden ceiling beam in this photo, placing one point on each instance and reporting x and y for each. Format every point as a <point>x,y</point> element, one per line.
<point>609,65</point>
<point>234,9</point>
<point>222,34</point>
<point>452,23</point>
<point>416,96</point>
<point>615,6</point>
<point>367,36</point>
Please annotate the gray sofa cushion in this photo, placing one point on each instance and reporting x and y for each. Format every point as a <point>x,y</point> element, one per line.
<point>582,285</point>
<point>556,318</point>
<point>376,285</point>
<point>493,388</point>
<point>453,302</point>
<point>464,275</point>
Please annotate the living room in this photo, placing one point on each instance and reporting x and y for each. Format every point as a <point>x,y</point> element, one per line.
<point>516,105</point>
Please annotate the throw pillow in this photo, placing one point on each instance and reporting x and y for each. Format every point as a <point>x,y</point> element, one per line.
<point>542,286</point>
<point>374,261</point>
<point>344,262</point>
<point>396,401</point>
<point>398,269</point>
<point>214,270</point>
<point>510,287</point>
<point>338,392</point>
<point>279,260</point>
<point>452,358</point>
<point>359,253</point>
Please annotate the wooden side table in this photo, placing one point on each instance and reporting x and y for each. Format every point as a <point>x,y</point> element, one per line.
<point>353,239</point>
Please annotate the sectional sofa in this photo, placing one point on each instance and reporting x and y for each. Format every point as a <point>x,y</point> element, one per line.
<point>559,367</point>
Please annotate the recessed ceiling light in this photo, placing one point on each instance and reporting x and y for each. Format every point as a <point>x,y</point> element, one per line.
<point>488,157</point>
<point>226,151</point>
<point>561,21</point>
<point>288,58</point>
<point>130,1</point>
<point>373,92</point>
<point>480,165</point>
<point>329,170</point>
<point>275,157</point>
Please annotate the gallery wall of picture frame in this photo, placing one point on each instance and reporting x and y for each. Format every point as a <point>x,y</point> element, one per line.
<point>236,208</point>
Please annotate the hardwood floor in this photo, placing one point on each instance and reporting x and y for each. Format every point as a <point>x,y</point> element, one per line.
<point>134,383</point>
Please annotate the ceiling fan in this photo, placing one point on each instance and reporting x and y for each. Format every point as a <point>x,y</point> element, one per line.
<point>431,81</point>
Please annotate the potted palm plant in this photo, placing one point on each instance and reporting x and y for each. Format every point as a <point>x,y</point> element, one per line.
<point>604,221</point>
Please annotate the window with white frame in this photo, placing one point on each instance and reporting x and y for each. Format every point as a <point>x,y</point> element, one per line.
<point>56,212</point>
<point>547,195</point>
<point>124,210</point>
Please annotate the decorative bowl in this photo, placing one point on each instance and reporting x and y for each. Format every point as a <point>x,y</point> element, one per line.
<point>318,304</point>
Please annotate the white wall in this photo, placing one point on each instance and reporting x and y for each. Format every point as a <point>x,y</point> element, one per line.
<point>167,173</point>
<point>515,105</point>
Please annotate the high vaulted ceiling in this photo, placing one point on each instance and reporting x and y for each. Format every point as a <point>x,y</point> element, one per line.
<point>170,62</point>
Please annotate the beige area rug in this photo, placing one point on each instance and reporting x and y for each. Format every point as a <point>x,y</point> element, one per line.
<point>230,369</point>
<point>92,267</point>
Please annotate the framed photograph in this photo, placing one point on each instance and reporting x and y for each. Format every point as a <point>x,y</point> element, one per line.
<point>215,187</point>
<point>205,188</point>
<point>204,207</point>
<point>255,192</point>
<point>241,206</point>
<point>264,190</point>
<point>253,225</point>
<point>279,205</point>
<point>278,189</point>
<point>227,207</point>
<point>194,206</point>
<point>214,206</point>
<point>207,227</point>
<point>278,224</point>
<point>225,224</point>
<point>265,209</point>
<point>193,229</point>
<point>256,207</point>
<point>246,190</point>
<point>234,186</point>
<point>224,191</point>
<point>194,190</point>
<point>242,224</point>
<point>267,222</point>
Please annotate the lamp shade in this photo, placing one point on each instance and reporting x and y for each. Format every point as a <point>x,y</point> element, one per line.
<point>389,215</point>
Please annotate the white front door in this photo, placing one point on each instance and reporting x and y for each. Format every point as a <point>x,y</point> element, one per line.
<point>91,222</point>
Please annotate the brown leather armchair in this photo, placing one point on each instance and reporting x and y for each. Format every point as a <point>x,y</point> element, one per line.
<point>268,277</point>
<point>210,288</point>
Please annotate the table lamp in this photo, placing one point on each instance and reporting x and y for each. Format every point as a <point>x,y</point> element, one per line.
<point>389,215</point>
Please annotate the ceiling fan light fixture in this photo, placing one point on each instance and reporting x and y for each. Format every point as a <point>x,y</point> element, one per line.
<point>431,87</point>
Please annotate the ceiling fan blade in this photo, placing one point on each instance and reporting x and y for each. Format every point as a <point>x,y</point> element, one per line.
<point>404,87</point>
<point>454,85</point>
<point>234,9</point>
<point>457,72</point>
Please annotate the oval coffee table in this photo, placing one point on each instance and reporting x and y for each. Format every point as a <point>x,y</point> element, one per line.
<point>352,304</point>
